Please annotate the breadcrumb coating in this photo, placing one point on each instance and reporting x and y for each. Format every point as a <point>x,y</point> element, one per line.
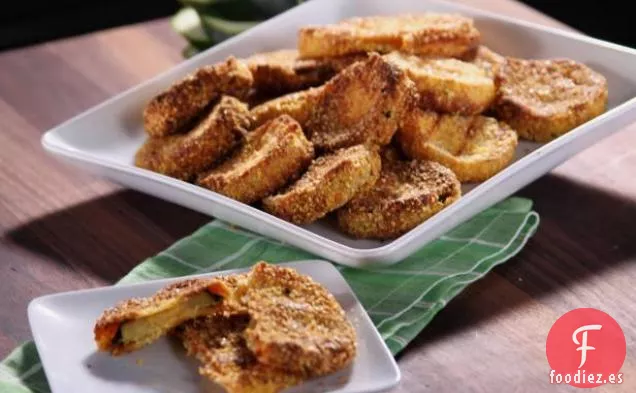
<point>543,99</point>
<point>330,182</point>
<point>296,324</point>
<point>271,157</point>
<point>447,85</point>
<point>427,34</point>
<point>182,156</point>
<point>174,109</point>
<point>475,148</point>
<point>362,104</point>
<point>406,194</point>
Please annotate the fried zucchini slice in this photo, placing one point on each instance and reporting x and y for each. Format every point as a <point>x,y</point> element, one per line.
<point>138,322</point>
<point>271,157</point>
<point>362,104</point>
<point>474,147</point>
<point>544,99</point>
<point>427,34</point>
<point>407,194</point>
<point>176,108</point>
<point>298,105</point>
<point>330,182</point>
<point>282,71</point>
<point>295,323</point>
<point>182,156</point>
<point>487,59</point>
<point>218,343</point>
<point>447,85</point>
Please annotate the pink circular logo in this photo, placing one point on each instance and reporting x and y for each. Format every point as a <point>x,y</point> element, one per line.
<point>586,348</point>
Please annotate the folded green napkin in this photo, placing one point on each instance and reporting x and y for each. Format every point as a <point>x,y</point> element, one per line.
<point>401,299</point>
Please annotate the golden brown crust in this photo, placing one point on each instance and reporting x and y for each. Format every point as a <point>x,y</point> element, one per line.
<point>271,157</point>
<point>296,324</point>
<point>218,343</point>
<point>282,71</point>
<point>422,34</point>
<point>298,105</point>
<point>485,58</point>
<point>407,194</point>
<point>330,182</point>
<point>108,324</point>
<point>474,147</point>
<point>543,99</point>
<point>184,155</point>
<point>181,103</point>
<point>362,104</point>
<point>447,85</point>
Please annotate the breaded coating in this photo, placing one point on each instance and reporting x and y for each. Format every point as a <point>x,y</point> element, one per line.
<point>179,105</point>
<point>218,343</point>
<point>184,155</point>
<point>272,156</point>
<point>296,324</point>
<point>486,59</point>
<point>474,147</point>
<point>543,99</point>
<point>137,322</point>
<point>427,34</point>
<point>330,182</point>
<point>298,105</point>
<point>447,85</point>
<point>407,194</point>
<point>282,71</point>
<point>362,104</point>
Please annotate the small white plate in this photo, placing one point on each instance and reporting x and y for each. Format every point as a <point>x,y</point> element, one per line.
<point>104,139</point>
<point>62,327</point>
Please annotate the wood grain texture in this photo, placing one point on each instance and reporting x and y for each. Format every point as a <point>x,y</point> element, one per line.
<point>64,230</point>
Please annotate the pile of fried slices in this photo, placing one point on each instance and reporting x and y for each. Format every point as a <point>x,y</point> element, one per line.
<point>378,119</point>
<point>261,331</point>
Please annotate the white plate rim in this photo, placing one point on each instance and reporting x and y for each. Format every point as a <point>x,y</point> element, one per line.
<point>44,355</point>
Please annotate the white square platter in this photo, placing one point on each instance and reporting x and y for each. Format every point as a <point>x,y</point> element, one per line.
<point>104,139</point>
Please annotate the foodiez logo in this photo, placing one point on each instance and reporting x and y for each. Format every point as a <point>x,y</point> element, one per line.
<point>586,348</point>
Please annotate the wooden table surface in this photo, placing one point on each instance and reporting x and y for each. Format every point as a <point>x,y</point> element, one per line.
<point>64,230</point>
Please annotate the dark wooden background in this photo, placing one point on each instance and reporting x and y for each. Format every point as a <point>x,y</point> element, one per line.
<point>61,229</point>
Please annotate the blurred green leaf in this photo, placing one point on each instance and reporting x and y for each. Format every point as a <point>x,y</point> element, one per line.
<point>187,23</point>
<point>205,23</point>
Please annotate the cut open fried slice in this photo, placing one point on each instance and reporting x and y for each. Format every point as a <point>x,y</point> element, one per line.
<point>296,324</point>
<point>298,105</point>
<point>184,155</point>
<point>474,147</point>
<point>423,34</point>
<point>362,104</point>
<point>330,182</point>
<point>181,103</point>
<point>271,157</point>
<point>447,85</point>
<point>137,322</point>
<point>407,194</point>
<point>282,71</point>
<point>543,99</point>
<point>218,343</point>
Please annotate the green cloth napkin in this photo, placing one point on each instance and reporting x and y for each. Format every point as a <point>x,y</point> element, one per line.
<point>401,299</point>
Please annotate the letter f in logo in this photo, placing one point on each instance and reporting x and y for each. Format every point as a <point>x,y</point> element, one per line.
<point>583,344</point>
